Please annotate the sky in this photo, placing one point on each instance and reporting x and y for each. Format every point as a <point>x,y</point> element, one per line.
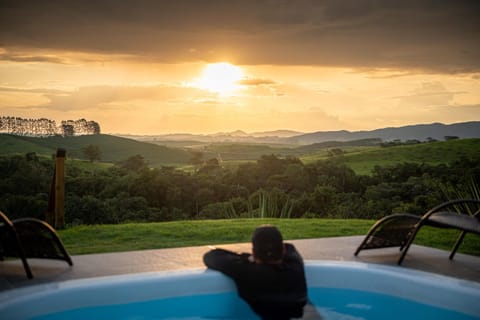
<point>190,66</point>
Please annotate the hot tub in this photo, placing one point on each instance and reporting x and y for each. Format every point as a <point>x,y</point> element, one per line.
<point>337,290</point>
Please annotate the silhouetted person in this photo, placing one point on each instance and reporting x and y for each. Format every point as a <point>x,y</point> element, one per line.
<point>271,279</point>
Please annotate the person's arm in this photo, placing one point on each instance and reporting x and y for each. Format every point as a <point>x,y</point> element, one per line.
<point>225,261</point>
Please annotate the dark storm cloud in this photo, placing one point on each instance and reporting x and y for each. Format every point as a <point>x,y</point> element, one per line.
<point>433,35</point>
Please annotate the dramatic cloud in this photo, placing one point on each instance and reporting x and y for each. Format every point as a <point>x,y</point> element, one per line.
<point>36,90</point>
<point>100,97</point>
<point>429,94</point>
<point>307,65</point>
<point>256,82</point>
<point>29,58</point>
<point>421,34</point>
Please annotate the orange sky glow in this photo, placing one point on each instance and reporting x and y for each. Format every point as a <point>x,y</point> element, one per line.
<point>219,66</point>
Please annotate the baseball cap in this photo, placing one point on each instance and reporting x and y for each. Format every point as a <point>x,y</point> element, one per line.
<point>268,243</point>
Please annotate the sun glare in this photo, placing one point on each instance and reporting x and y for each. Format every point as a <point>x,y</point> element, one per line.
<point>221,78</point>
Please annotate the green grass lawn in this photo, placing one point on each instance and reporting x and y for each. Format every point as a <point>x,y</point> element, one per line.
<point>142,236</point>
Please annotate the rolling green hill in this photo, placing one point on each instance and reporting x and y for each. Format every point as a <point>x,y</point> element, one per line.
<point>360,158</point>
<point>253,151</point>
<point>112,148</point>
<point>242,151</point>
<point>10,144</point>
<point>361,155</point>
<point>363,160</point>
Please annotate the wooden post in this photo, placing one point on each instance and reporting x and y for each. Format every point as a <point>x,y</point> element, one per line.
<point>50,215</point>
<point>56,203</point>
<point>60,189</point>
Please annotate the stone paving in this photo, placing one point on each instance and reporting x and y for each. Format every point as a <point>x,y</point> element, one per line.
<point>12,274</point>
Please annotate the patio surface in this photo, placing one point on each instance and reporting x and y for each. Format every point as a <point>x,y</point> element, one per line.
<point>12,274</point>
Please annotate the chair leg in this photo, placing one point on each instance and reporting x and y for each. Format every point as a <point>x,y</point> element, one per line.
<point>66,256</point>
<point>21,254</point>
<point>360,247</point>
<point>457,244</point>
<point>60,245</point>
<point>28,271</point>
<point>408,243</point>
<point>403,253</point>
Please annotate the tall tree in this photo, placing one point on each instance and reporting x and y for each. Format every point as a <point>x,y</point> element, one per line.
<point>92,152</point>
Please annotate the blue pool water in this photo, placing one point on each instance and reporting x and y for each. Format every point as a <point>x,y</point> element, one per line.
<point>337,291</point>
<point>330,303</point>
<point>208,306</point>
<point>352,304</point>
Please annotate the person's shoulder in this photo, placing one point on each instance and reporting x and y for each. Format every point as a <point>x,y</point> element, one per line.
<point>291,253</point>
<point>290,247</point>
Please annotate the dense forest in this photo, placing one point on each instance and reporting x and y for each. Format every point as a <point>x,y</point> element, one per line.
<point>272,186</point>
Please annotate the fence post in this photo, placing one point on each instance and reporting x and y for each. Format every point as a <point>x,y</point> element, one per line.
<point>60,189</point>
<point>56,203</point>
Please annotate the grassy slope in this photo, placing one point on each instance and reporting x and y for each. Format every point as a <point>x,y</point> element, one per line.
<point>246,151</point>
<point>112,148</point>
<point>140,236</point>
<point>242,151</point>
<point>19,145</point>
<point>362,160</point>
<point>432,153</point>
<point>322,154</point>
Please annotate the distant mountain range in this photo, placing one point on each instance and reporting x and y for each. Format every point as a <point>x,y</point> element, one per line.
<point>422,132</point>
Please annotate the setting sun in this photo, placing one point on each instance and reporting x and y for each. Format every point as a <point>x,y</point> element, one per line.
<point>221,78</point>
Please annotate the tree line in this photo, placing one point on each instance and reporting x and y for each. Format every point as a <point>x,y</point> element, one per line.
<point>131,191</point>
<point>45,127</point>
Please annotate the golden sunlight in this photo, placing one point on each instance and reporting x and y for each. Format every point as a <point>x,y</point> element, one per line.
<point>221,78</point>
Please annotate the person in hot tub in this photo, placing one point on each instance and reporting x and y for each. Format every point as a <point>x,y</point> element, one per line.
<point>271,279</point>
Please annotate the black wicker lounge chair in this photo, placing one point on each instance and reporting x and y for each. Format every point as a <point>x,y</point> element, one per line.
<point>401,229</point>
<point>30,238</point>
<point>391,231</point>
